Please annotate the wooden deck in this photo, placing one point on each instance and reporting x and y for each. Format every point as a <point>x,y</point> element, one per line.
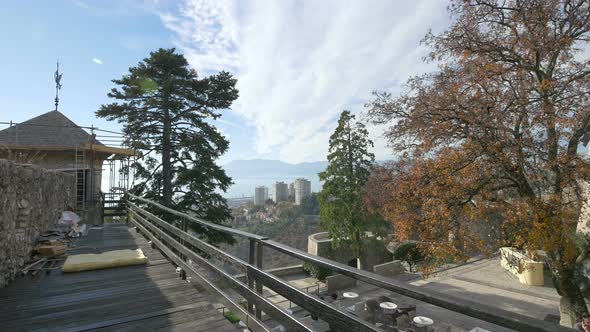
<point>146,297</point>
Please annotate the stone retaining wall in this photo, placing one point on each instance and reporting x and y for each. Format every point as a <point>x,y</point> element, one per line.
<point>374,251</point>
<point>31,201</point>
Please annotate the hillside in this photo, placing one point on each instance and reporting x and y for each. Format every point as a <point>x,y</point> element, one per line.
<point>292,232</point>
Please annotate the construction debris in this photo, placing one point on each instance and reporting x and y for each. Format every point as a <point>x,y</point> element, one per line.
<point>26,269</point>
<point>52,245</point>
<point>51,248</point>
<point>68,218</point>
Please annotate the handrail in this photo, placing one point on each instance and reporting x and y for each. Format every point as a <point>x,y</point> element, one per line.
<point>291,322</point>
<point>201,221</point>
<point>328,313</point>
<point>201,245</point>
<point>470,308</point>
<point>189,268</point>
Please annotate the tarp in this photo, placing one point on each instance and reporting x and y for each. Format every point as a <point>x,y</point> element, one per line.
<point>68,218</point>
<point>106,260</point>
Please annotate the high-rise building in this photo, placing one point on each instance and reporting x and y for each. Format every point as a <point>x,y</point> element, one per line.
<point>260,195</point>
<point>280,192</point>
<point>292,191</point>
<point>302,189</point>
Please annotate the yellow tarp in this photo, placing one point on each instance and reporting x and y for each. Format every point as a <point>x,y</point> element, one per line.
<point>106,260</point>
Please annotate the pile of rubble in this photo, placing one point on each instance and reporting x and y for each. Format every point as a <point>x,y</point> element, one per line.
<point>51,246</point>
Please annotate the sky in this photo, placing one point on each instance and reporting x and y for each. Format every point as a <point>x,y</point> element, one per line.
<point>298,63</point>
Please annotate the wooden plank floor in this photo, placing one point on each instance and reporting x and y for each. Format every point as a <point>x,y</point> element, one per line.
<point>134,298</point>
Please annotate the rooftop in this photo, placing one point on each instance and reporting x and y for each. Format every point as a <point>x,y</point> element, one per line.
<point>49,130</point>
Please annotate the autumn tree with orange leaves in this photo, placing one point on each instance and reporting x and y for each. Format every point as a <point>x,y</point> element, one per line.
<point>489,141</point>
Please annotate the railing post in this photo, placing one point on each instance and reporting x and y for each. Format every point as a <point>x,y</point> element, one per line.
<point>184,227</point>
<point>125,199</point>
<point>259,258</point>
<point>102,203</point>
<point>251,258</point>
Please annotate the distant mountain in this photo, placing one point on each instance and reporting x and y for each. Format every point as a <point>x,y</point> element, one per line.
<point>267,167</point>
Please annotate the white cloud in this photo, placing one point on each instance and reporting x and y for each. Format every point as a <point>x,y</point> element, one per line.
<point>300,63</point>
<point>97,61</point>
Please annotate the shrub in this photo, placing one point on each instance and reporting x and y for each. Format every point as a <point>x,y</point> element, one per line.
<point>409,253</point>
<point>233,318</point>
<point>315,271</point>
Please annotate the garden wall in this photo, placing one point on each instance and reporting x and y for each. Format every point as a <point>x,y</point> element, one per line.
<point>31,201</point>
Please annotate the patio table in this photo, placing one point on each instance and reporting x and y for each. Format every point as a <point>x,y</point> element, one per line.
<point>399,319</point>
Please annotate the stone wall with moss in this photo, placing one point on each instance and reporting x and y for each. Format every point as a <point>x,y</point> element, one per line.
<point>31,201</point>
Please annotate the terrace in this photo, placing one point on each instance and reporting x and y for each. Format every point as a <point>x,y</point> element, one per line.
<point>206,287</point>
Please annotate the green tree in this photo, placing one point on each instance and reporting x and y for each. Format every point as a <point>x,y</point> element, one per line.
<point>409,253</point>
<point>342,212</point>
<point>310,204</point>
<point>167,110</point>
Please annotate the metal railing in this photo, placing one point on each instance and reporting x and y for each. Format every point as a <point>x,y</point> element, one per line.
<point>179,245</point>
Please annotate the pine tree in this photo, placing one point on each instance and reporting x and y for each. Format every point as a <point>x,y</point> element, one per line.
<point>342,212</point>
<point>168,111</point>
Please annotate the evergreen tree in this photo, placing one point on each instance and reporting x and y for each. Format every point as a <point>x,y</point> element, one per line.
<point>168,111</point>
<point>342,212</point>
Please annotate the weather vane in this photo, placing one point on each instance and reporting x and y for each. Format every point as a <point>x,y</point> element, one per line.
<point>57,77</point>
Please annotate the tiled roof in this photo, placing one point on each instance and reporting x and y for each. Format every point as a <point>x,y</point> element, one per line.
<point>51,129</point>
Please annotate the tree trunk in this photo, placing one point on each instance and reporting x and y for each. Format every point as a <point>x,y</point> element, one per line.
<point>166,162</point>
<point>572,304</point>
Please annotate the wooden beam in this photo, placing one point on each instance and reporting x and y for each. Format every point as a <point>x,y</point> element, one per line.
<point>110,149</point>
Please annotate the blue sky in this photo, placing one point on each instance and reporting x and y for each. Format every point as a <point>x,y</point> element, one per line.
<point>298,63</point>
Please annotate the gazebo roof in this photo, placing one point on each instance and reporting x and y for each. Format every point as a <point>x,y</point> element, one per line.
<point>51,130</point>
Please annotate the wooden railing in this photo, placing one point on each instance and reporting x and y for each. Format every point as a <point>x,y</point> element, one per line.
<point>179,245</point>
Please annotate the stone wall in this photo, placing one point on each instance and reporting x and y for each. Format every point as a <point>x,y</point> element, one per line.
<point>31,201</point>
<point>64,160</point>
<point>373,253</point>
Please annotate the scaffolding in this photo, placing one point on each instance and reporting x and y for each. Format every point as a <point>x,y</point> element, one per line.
<point>83,156</point>
<point>80,170</point>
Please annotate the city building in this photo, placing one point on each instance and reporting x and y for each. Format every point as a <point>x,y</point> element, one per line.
<point>302,189</point>
<point>280,191</point>
<point>291,191</point>
<point>260,195</point>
